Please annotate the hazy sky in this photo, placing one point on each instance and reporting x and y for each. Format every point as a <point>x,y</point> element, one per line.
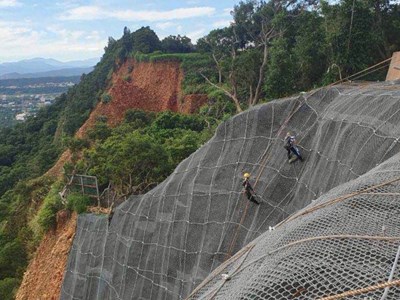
<point>72,29</point>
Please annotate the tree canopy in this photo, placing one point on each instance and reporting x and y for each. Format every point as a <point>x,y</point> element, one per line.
<point>273,49</point>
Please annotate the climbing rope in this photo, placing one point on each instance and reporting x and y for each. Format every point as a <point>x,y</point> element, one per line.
<point>326,237</point>
<point>360,72</point>
<point>221,268</point>
<point>263,161</point>
<point>264,158</point>
<point>229,277</point>
<point>363,290</point>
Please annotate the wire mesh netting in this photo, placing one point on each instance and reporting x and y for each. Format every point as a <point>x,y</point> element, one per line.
<point>340,206</point>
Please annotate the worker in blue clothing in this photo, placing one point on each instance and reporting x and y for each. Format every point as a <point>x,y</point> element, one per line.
<point>291,147</point>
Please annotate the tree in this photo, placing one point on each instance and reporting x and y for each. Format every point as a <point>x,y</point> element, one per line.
<point>145,40</point>
<point>219,43</point>
<point>310,50</point>
<point>281,73</point>
<point>131,162</point>
<point>177,44</point>
<point>248,36</point>
<point>349,31</point>
<point>126,44</point>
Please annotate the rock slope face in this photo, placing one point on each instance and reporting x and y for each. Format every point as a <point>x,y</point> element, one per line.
<point>163,244</point>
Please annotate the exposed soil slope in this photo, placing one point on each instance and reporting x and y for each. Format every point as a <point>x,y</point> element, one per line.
<point>44,275</point>
<point>151,86</point>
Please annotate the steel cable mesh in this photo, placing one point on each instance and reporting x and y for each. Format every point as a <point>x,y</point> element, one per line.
<point>163,244</point>
<point>327,265</point>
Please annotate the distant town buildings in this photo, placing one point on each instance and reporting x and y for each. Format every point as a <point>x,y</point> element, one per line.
<point>21,98</point>
<point>21,117</point>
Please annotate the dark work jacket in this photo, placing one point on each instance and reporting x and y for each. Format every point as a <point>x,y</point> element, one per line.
<point>247,186</point>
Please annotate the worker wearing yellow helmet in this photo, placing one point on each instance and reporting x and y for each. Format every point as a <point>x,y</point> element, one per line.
<point>248,189</point>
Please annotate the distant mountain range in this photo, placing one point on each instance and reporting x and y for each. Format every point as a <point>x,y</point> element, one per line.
<point>45,67</point>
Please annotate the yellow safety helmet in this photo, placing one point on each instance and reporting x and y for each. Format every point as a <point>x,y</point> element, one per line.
<point>246,175</point>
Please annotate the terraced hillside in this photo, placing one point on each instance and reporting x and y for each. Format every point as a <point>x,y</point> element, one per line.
<point>163,244</point>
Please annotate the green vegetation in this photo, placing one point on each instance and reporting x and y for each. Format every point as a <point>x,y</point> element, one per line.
<point>46,216</point>
<point>274,50</point>
<point>177,44</point>
<point>8,287</point>
<point>193,65</point>
<point>105,98</point>
<point>143,150</point>
<point>7,117</point>
<point>17,239</point>
<point>78,202</point>
<point>271,51</point>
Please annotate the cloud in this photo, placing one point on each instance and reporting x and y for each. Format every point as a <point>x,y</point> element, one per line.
<point>85,13</point>
<point>221,23</point>
<point>9,3</point>
<point>20,40</point>
<point>165,25</point>
<point>227,11</point>
<point>92,12</point>
<point>195,35</point>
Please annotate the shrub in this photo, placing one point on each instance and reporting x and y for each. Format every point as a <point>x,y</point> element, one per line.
<point>46,216</point>
<point>127,78</point>
<point>138,118</point>
<point>170,120</point>
<point>77,202</point>
<point>102,118</point>
<point>76,144</point>
<point>8,288</point>
<point>100,131</point>
<point>106,98</point>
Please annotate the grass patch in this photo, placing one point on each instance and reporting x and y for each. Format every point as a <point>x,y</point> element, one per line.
<point>46,216</point>
<point>78,202</point>
<point>193,65</point>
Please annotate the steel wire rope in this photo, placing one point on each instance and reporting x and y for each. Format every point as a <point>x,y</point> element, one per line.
<point>360,72</point>
<point>237,268</point>
<point>263,163</point>
<point>221,268</point>
<point>385,293</point>
<point>335,200</point>
<point>372,71</point>
<point>363,290</point>
<point>317,238</point>
<point>264,158</point>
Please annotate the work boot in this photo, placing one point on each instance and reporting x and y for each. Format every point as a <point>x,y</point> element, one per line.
<point>254,200</point>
